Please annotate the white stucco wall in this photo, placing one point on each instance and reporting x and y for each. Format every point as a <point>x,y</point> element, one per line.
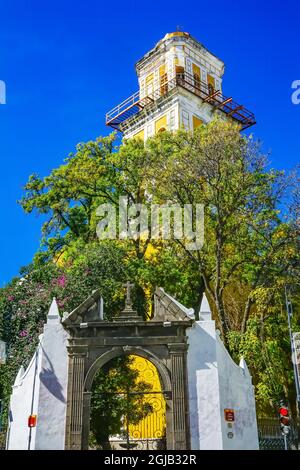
<point>42,390</point>
<point>236,392</point>
<point>215,383</point>
<point>203,383</point>
<point>53,377</point>
<point>24,401</point>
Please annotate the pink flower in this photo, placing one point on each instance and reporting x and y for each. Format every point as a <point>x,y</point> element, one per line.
<point>10,298</point>
<point>61,281</point>
<point>23,333</point>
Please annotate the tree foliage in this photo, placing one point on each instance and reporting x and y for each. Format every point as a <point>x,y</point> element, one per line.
<point>250,252</point>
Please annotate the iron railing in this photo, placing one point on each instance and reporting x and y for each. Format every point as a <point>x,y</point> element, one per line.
<point>136,103</point>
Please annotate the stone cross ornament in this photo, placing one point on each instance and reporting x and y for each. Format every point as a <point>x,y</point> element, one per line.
<point>128,314</point>
<point>128,300</point>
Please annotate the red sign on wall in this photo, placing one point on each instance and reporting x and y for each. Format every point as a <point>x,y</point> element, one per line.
<point>31,421</point>
<point>229,415</point>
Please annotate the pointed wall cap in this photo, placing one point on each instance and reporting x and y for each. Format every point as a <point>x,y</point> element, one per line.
<point>243,365</point>
<point>205,312</point>
<point>53,314</point>
<point>82,312</point>
<point>19,376</point>
<point>166,308</point>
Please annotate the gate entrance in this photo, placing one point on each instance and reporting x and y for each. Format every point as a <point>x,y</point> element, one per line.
<point>150,432</point>
<point>161,416</point>
<point>128,409</point>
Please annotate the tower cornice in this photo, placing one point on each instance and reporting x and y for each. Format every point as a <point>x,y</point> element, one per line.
<point>170,40</point>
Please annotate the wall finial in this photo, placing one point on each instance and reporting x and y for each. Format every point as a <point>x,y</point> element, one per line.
<point>53,313</point>
<point>205,312</point>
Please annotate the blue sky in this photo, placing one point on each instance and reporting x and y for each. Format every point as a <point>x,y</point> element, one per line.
<point>66,63</point>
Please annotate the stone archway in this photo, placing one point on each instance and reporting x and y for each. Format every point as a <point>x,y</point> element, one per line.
<point>162,397</point>
<point>93,342</point>
<point>121,351</point>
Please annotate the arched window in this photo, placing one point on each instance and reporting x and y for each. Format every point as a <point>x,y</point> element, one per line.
<point>163,79</point>
<point>161,124</point>
<point>196,75</point>
<point>179,74</point>
<point>211,84</point>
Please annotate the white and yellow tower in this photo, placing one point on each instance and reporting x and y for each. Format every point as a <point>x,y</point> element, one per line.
<point>180,86</point>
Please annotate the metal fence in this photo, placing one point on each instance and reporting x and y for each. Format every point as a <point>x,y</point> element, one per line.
<point>270,437</point>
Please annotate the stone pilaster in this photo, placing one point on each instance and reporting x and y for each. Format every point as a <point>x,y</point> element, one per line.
<point>75,402</point>
<point>86,419</point>
<point>178,377</point>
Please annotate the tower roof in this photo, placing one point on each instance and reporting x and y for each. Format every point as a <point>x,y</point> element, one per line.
<point>168,39</point>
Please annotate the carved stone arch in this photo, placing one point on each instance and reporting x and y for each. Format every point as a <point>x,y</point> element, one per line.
<point>93,342</point>
<point>163,372</point>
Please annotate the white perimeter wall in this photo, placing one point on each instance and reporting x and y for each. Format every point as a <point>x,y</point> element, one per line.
<point>215,382</point>
<point>42,390</point>
<point>236,392</point>
<point>24,401</point>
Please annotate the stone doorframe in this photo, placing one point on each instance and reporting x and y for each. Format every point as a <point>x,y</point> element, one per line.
<point>93,342</point>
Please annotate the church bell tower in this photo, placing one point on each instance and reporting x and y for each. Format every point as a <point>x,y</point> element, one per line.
<point>180,86</point>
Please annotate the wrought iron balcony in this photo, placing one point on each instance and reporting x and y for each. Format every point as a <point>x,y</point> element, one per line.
<point>135,104</point>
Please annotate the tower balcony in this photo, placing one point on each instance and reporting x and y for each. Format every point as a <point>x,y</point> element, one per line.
<point>136,103</point>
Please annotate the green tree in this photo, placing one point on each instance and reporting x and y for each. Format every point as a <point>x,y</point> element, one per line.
<point>98,172</point>
<point>247,239</point>
<point>117,401</point>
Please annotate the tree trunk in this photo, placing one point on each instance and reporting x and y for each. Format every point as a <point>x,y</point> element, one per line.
<point>246,315</point>
<point>197,305</point>
<point>222,318</point>
<point>218,300</point>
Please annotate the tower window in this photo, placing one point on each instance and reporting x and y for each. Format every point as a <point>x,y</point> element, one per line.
<point>163,80</point>
<point>139,135</point>
<point>161,124</point>
<point>149,84</point>
<point>179,73</point>
<point>196,75</point>
<point>197,122</point>
<point>211,84</point>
